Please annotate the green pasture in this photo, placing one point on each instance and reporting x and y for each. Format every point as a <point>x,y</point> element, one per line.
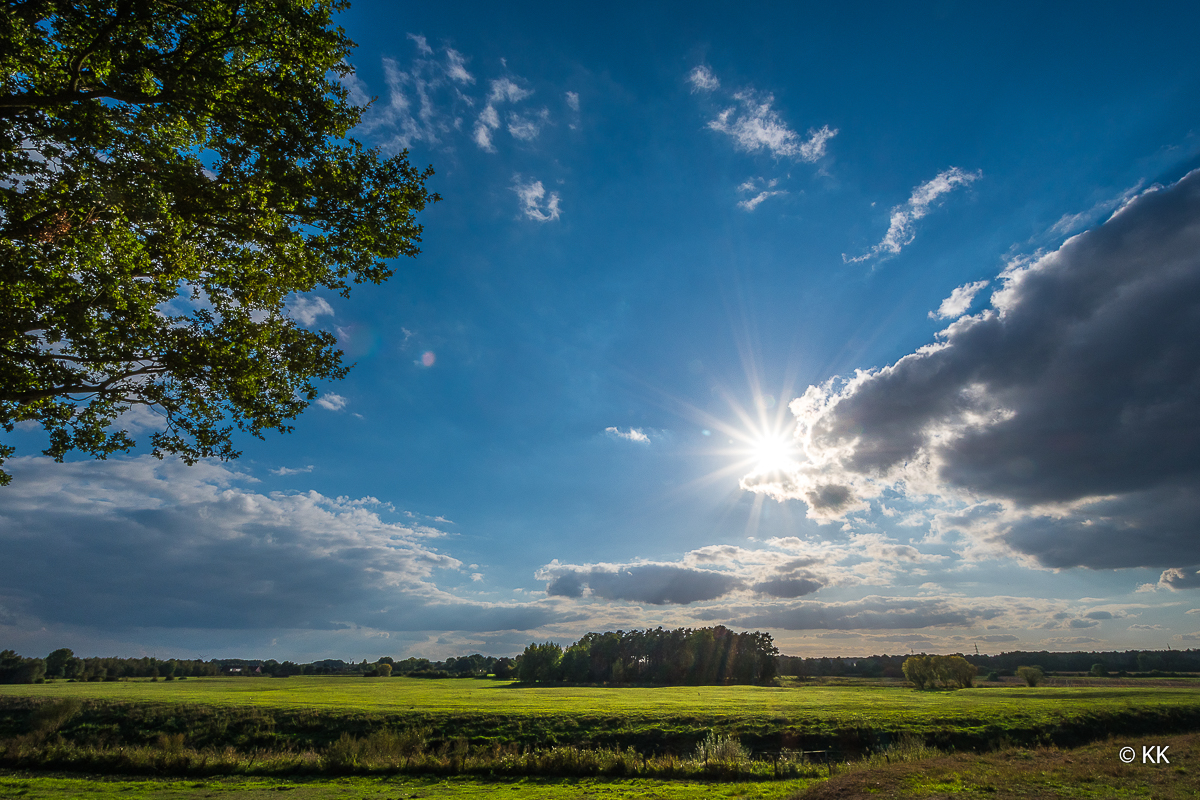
<point>485,710</point>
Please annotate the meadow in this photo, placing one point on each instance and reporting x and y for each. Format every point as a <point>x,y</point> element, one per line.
<point>464,735</point>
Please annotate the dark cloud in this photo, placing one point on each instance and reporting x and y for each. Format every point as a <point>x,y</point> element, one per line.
<point>138,543</point>
<point>1082,623</point>
<point>1099,615</point>
<point>1176,578</point>
<point>880,613</point>
<point>994,638</point>
<point>1072,404</point>
<point>787,587</point>
<point>656,584</point>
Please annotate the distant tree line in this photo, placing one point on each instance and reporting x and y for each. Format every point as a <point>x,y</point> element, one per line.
<point>1129,662</point>
<point>64,664</point>
<point>682,656</point>
<point>672,657</point>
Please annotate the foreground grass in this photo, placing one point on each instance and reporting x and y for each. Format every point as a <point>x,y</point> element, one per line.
<point>41,787</point>
<point>1091,772</point>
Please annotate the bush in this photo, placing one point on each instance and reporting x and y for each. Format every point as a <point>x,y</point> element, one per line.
<point>992,676</point>
<point>950,672</point>
<point>1031,675</point>
<point>1098,671</point>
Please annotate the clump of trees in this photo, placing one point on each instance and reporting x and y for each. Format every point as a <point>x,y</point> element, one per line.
<point>933,672</point>
<point>681,656</point>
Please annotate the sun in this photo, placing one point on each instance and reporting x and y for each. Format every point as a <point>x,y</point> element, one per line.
<point>772,452</point>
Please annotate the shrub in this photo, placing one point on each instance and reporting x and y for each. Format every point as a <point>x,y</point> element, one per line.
<point>1031,675</point>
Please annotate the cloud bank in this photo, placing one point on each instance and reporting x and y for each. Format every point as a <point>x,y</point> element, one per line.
<point>142,543</point>
<point>1062,423</point>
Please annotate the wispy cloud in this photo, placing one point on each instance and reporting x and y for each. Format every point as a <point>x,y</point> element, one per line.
<point>702,79</point>
<point>754,126</point>
<point>503,90</point>
<point>527,127</point>
<point>422,44</point>
<point>331,401</point>
<point>536,203</point>
<point>456,67</point>
<point>633,434</point>
<point>1069,223</point>
<point>902,229</point>
<point>290,471</point>
<point>753,185</point>
<point>959,301</point>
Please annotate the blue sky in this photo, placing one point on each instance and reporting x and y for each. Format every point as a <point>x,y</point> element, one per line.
<point>871,327</point>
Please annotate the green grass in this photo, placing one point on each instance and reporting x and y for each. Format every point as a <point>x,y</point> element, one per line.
<point>804,708</point>
<point>39,787</point>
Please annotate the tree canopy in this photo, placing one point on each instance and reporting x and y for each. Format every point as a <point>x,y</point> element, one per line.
<point>171,173</point>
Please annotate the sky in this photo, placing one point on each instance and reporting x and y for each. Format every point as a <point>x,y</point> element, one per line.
<point>873,327</point>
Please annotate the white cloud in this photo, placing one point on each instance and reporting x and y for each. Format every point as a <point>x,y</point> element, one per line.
<point>633,434</point>
<point>901,230</point>
<point>422,44</point>
<point>306,309</point>
<point>573,100</point>
<point>756,126</point>
<point>331,401</point>
<point>1059,424</point>
<point>527,127</point>
<point>959,301</point>
<point>536,204</point>
<point>456,67</point>
<point>290,471</point>
<point>814,148</point>
<point>752,203</point>
<point>503,90</point>
<point>702,79</point>
<point>359,95</point>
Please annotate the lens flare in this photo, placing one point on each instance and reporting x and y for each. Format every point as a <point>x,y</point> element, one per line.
<point>428,358</point>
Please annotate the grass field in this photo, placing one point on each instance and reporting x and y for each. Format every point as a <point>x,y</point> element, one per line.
<point>435,738</point>
<point>804,709</point>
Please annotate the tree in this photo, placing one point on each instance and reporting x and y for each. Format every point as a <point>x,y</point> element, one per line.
<point>1031,675</point>
<point>539,663</point>
<point>170,175</point>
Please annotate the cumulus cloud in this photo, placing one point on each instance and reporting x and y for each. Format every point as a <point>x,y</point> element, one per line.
<point>702,79</point>
<point>754,126</point>
<point>632,435</point>
<point>536,203</point>
<point>1062,423</point>
<point>959,301</point>
<point>902,228</point>
<point>305,310</point>
<point>331,401</point>
<point>136,543</point>
<point>655,584</point>
<point>1176,578</point>
<point>503,90</point>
